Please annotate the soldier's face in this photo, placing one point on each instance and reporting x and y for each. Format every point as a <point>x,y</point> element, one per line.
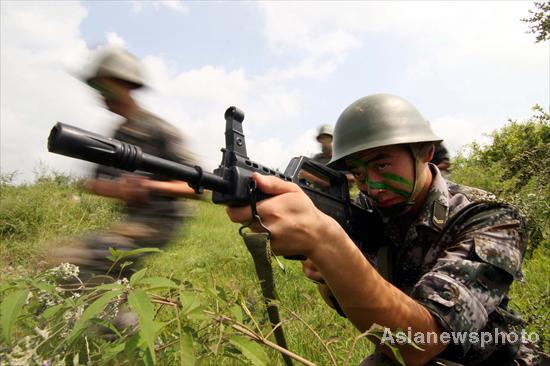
<point>115,94</point>
<point>386,174</point>
<point>326,143</point>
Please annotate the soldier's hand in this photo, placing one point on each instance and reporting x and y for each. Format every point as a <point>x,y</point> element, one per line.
<point>128,188</point>
<point>133,188</point>
<point>297,226</point>
<point>311,271</point>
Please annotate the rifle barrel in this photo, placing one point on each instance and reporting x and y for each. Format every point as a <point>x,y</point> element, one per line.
<point>85,145</point>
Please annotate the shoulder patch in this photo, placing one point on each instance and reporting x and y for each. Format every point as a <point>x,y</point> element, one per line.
<point>439,215</point>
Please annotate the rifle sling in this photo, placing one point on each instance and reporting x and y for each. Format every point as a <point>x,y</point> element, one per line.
<point>259,248</point>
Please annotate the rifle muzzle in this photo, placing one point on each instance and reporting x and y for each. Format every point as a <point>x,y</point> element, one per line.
<point>80,144</point>
<point>85,145</point>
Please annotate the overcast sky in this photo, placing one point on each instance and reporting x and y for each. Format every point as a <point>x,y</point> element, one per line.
<point>291,66</point>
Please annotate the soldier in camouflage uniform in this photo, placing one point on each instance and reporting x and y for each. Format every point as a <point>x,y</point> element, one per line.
<point>441,159</point>
<point>153,214</point>
<point>441,260</point>
<point>324,137</point>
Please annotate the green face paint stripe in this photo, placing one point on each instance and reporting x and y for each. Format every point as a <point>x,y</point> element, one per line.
<point>378,185</point>
<point>402,193</point>
<point>393,177</point>
<point>399,179</point>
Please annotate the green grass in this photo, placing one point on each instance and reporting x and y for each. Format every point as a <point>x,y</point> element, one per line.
<point>532,296</point>
<point>35,217</point>
<point>210,254</point>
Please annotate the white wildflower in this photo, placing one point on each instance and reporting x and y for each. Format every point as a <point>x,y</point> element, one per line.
<point>22,356</point>
<point>79,311</point>
<point>123,281</point>
<point>29,297</point>
<point>65,271</point>
<point>46,299</point>
<point>44,333</point>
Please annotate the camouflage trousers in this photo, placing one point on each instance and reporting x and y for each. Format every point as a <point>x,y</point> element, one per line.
<point>90,252</point>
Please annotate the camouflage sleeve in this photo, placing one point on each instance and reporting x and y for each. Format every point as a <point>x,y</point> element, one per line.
<point>175,148</point>
<point>473,275</point>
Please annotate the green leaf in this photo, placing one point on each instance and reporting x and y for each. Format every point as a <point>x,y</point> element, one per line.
<point>137,276</point>
<point>110,286</point>
<point>124,254</point>
<point>212,291</point>
<point>91,311</point>
<point>189,302</point>
<point>51,311</point>
<point>156,282</point>
<point>114,255</point>
<point>378,331</point>
<point>125,264</point>
<point>117,255</point>
<point>148,358</point>
<point>7,286</point>
<point>132,344</point>
<point>237,313</point>
<point>250,349</point>
<point>186,350</point>
<point>397,355</point>
<point>44,286</point>
<point>197,315</point>
<point>140,303</point>
<point>109,352</point>
<point>10,309</point>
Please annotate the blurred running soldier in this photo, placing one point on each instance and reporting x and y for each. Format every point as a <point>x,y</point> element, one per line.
<point>441,159</point>
<point>153,212</point>
<point>324,137</point>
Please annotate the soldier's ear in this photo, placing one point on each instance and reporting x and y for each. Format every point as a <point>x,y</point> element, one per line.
<point>424,152</point>
<point>429,153</point>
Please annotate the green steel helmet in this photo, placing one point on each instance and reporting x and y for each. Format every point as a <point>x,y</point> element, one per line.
<point>325,130</point>
<point>119,64</point>
<point>374,121</point>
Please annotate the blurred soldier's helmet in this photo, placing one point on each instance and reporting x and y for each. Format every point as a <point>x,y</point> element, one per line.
<point>325,130</point>
<point>377,120</point>
<point>119,64</point>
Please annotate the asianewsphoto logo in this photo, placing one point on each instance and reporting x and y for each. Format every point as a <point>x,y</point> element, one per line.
<point>483,338</point>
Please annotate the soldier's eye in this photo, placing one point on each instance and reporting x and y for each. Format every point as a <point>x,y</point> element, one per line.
<point>357,174</point>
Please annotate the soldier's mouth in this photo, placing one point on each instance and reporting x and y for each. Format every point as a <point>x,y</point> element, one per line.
<point>386,202</point>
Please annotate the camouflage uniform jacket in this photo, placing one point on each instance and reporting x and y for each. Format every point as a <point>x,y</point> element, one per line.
<point>462,279</point>
<point>321,158</point>
<point>156,137</point>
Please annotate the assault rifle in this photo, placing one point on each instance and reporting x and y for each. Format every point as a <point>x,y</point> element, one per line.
<point>230,182</point>
<point>231,185</point>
